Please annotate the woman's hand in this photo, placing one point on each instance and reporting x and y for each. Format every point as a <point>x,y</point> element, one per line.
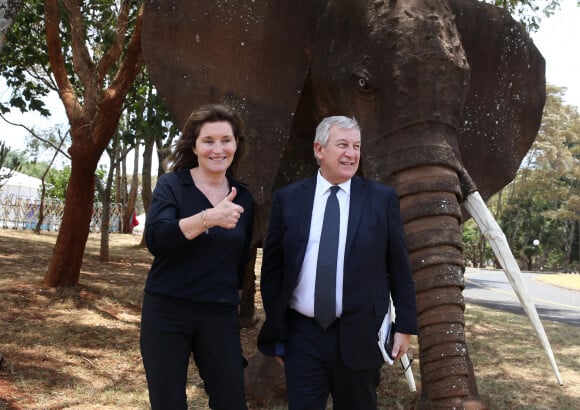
<point>225,214</point>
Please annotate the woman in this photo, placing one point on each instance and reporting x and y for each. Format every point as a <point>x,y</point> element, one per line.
<point>198,229</point>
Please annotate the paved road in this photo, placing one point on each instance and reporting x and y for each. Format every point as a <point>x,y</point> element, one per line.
<point>491,288</point>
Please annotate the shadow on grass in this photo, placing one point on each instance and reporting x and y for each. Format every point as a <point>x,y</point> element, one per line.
<point>75,346</point>
<point>511,367</point>
<point>560,315</point>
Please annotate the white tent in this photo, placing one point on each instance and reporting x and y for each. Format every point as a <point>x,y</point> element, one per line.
<point>20,185</point>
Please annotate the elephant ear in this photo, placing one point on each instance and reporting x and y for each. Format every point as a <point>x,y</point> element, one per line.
<point>251,55</point>
<point>506,95</point>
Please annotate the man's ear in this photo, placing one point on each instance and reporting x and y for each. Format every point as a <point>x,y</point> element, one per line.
<point>318,150</point>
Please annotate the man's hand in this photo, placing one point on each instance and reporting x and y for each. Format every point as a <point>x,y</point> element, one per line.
<point>400,344</point>
<point>280,360</point>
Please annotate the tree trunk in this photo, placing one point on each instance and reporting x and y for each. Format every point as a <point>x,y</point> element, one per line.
<point>113,153</point>
<point>40,220</point>
<point>93,123</point>
<point>163,150</point>
<point>67,257</point>
<point>123,193</point>
<point>129,207</point>
<point>106,221</point>
<point>146,186</point>
<point>571,228</point>
<point>105,227</point>
<point>118,183</point>
<point>146,190</point>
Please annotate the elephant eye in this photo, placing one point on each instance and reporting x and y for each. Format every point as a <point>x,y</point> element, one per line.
<point>362,82</point>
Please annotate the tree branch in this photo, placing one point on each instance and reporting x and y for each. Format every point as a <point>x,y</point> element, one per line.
<point>131,65</point>
<point>115,51</point>
<point>38,137</point>
<point>57,63</point>
<point>83,64</point>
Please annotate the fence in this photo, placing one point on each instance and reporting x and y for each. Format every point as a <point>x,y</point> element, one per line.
<point>21,212</point>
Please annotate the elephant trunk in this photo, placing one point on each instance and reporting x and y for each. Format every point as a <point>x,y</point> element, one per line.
<point>422,163</point>
<point>432,224</point>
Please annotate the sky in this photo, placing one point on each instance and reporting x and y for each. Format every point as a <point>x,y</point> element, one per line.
<point>558,39</point>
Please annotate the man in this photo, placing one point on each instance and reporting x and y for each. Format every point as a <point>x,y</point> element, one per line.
<point>340,355</point>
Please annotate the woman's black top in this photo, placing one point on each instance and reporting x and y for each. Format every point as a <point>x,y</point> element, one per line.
<point>208,268</point>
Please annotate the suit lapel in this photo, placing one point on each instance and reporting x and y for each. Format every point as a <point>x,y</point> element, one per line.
<point>358,193</point>
<point>305,202</point>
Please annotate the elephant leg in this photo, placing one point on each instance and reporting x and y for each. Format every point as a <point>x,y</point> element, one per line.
<point>432,218</point>
<point>248,316</point>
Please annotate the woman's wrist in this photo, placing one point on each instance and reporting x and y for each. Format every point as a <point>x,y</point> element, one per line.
<point>204,222</point>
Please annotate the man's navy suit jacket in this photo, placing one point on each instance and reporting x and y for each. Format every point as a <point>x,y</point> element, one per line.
<point>376,264</point>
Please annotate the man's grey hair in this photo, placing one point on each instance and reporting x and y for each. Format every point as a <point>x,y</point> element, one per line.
<point>339,121</point>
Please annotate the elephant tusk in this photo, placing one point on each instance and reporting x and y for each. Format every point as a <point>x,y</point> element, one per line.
<point>493,233</point>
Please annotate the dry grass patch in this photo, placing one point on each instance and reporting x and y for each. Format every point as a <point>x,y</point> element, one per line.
<point>79,348</point>
<point>512,368</point>
<point>563,280</point>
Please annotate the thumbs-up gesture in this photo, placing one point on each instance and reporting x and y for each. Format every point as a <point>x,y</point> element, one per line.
<point>225,214</point>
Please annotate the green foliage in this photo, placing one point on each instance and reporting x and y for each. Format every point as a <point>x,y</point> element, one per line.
<point>543,201</point>
<point>147,115</point>
<point>470,236</point>
<point>25,66</point>
<point>24,61</point>
<point>33,168</point>
<point>57,182</point>
<point>11,162</point>
<point>528,12</point>
<point>10,159</point>
<point>476,250</point>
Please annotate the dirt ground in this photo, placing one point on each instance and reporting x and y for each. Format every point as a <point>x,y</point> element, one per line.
<point>77,348</point>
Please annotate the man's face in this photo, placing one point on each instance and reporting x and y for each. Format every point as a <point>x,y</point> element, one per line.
<point>340,157</point>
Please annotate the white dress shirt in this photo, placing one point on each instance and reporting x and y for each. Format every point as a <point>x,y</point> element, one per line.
<point>303,296</point>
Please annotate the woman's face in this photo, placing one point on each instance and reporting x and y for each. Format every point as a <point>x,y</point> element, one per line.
<point>215,147</point>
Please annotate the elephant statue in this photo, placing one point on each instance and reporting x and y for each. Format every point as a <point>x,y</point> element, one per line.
<point>449,95</point>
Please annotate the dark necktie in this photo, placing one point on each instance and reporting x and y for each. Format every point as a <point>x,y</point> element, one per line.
<point>325,286</point>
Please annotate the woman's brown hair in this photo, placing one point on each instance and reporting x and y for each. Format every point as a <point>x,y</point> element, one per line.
<point>183,156</point>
